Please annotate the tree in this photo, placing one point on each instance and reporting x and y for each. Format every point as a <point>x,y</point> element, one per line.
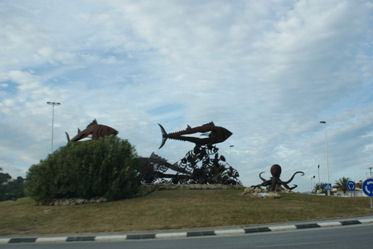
<point>319,187</point>
<point>4,177</point>
<point>10,189</point>
<point>106,167</point>
<point>341,184</point>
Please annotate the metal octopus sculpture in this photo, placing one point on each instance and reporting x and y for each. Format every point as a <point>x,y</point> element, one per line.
<point>275,182</point>
<point>93,129</point>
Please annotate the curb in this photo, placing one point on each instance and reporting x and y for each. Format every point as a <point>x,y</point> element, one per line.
<point>187,234</point>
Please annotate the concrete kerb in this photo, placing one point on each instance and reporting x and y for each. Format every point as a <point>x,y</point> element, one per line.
<point>282,228</point>
<point>329,224</point>
<point>171,235</point>
<point>110,237</point>
<point>51,239</point>
<point>229,231</point>
<point>4,241</point>
<point>185,234</point>
<point>363,221</point>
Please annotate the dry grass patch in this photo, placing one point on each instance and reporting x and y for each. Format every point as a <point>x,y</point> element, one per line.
<point>172,210</point>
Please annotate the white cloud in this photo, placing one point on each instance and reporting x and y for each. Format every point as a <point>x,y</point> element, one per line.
<point>24,80</point>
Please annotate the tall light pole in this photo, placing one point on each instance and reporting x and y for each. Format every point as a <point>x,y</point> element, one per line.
<point>52,104</point>
<point>230,152</point>
<point>326,151</point>
<point>318,172</point>
<point>312,183</point>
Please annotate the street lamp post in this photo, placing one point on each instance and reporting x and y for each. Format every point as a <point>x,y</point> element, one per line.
<point>326,152</point>
<point>312,183</point>
<point>230,152</point>
<point>318,173</point>
<point>52,104</point>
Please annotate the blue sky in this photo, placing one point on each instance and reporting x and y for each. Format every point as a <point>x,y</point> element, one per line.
<point>268,71</point>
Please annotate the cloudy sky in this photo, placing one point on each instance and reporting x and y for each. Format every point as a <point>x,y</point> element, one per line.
<point>268,71</point>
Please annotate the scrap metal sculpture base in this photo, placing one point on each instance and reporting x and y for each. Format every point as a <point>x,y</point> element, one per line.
<point>202,165</point>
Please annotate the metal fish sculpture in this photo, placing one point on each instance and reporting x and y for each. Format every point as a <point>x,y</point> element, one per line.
<point>216,134</point>
<point>94,129</point>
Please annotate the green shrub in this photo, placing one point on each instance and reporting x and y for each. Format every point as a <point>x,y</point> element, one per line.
<point>10,189</point>
<point>104,167</point>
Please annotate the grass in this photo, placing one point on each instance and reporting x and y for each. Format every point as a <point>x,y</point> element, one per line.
<point>172,210</point>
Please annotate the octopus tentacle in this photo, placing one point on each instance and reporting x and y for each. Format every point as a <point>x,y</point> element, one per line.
<point>263,184</point>
<point>261,178</point>
<point>292,177</point>
<point>290,188</point>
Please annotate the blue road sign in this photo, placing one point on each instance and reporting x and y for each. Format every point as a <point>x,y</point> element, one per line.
<point>328,186</point>
<point>368,187</point>
<point>351,186</point>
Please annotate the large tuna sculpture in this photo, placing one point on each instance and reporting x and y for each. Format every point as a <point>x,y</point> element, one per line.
<point>216,134</point>
<point>93,129</point>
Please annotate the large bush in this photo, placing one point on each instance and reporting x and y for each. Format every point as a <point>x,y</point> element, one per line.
<point>106,167</point>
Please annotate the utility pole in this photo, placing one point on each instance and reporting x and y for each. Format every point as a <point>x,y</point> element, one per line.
<point>326,152</point>
<point>52,104</point>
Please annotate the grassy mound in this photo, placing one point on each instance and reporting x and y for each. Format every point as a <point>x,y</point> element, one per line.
<point>173,210</point>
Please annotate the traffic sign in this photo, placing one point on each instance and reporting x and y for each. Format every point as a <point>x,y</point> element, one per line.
<point>368,187</point>
<point>351,186</point>
<point>328,186</point>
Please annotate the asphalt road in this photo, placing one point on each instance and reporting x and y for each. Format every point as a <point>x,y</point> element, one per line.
<point>349,237</point>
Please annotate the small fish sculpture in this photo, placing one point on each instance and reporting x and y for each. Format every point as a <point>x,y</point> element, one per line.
<point>94,129</point>
<point>216,134</point>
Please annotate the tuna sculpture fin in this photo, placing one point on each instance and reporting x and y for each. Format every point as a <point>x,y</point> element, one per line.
<point>68,137</point>
<point>164,136</point>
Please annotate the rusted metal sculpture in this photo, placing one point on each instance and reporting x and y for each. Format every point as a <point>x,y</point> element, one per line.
<point>216,134</point>
<point>201,165</point>
<point>207,167</point>
<point>93,129</point>
<point>275,182</point>
<point>154,168</point>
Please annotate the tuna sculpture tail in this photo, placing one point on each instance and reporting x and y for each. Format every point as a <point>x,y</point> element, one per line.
<point>164,136</point>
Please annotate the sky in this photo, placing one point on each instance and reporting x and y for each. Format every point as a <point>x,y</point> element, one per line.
<point>268,71</point>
